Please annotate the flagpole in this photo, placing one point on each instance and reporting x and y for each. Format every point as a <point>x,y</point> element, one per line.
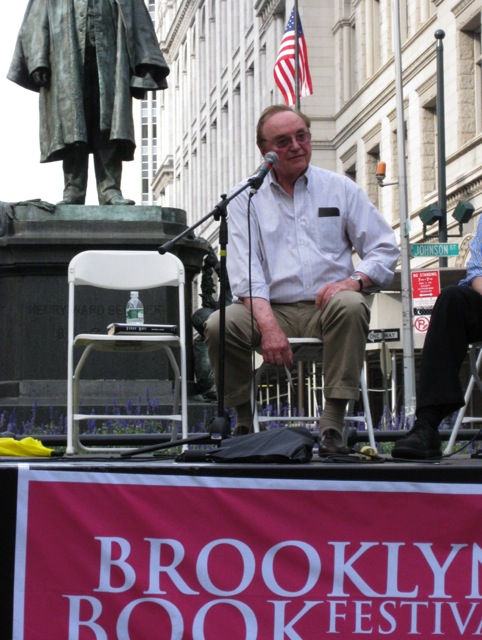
<point>297,60</point>
<point>407,328</point>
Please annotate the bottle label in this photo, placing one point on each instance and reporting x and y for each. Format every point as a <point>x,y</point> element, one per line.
<point>135,315</point>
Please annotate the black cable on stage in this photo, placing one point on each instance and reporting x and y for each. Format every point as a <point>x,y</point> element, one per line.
<point>355,458</point>
<point>477,454</point>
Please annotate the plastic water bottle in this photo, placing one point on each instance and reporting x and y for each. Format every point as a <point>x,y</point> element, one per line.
<point>135,309</point>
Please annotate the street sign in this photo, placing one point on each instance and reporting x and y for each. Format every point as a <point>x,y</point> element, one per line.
<point>438,250</point>
<point>384,335</point>
<point>425,291</point>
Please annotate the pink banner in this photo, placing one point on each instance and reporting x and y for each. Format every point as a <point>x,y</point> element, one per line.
<point>104,556</point>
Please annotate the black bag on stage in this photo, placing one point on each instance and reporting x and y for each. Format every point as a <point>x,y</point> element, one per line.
<point>287,445</point>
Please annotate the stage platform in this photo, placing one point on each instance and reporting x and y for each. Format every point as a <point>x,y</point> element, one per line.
<point>460,467</point>
<point>99,546</point>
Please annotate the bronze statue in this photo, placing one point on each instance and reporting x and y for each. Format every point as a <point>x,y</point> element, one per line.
<point>87,59</point>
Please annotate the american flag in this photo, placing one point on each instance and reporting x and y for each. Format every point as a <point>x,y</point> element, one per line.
<point>284,68</point>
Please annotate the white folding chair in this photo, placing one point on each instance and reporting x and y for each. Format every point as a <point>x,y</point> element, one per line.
<point>312,352</point>
<point>125,271</point>
<point>475,358</point>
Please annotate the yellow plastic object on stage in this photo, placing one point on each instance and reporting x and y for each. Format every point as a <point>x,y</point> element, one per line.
<point>26,447</point>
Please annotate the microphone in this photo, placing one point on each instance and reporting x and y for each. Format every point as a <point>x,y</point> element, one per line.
<point>270,159</point>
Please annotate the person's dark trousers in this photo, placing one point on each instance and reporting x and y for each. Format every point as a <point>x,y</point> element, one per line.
<point>455,323</point>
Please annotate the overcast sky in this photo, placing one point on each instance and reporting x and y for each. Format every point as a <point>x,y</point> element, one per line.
<point>22,177</point>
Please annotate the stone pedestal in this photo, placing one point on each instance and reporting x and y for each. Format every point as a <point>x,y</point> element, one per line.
<point>35,251</point>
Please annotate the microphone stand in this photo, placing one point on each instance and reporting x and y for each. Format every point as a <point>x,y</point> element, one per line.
<point>219,426</point>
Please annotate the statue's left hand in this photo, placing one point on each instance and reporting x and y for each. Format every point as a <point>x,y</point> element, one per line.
<point>41,77</point>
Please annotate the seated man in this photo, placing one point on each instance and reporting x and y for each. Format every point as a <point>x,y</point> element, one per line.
<point>290,266</point>
<point>456,322</point>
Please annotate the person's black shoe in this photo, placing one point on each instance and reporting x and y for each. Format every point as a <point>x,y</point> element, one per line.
<point>420,443</point>
<point>330,443</point>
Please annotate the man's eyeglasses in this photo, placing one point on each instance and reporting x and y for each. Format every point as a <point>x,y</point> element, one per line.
<point>284,141</point>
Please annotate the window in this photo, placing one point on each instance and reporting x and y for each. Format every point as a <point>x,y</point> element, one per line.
<point>428,148</point>
<point>478,79</point>
<point>350,172</point>
<point>372,37</point>
<point>372,188</point>
<point>152,8</point>
<point>352,66</point>
<point>469,80</point>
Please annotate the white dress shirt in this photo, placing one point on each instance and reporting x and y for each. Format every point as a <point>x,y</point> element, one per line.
<point>296,245</point>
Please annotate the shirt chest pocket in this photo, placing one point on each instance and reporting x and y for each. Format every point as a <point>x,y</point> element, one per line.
<point>329,227</point>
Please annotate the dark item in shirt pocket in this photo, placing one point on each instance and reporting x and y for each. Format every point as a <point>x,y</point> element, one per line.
<point>328,212</point>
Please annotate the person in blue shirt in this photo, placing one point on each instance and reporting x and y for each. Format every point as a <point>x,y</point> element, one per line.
<point>290,263</point>
<point>456,322</point>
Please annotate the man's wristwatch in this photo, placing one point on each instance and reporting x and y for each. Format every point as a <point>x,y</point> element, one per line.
<point>358,279</point>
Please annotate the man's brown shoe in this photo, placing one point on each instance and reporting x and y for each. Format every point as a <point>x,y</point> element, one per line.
<point>330,443</point>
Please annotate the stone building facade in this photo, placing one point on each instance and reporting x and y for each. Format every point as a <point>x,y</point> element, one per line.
<point>222,55</point>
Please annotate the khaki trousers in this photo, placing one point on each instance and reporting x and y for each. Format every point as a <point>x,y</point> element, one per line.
<point>342,325</point>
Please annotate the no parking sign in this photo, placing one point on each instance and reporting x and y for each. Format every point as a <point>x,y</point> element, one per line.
<point>426,289</point>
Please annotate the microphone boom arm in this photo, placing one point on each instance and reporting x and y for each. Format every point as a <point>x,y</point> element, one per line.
<point>218,212</point>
